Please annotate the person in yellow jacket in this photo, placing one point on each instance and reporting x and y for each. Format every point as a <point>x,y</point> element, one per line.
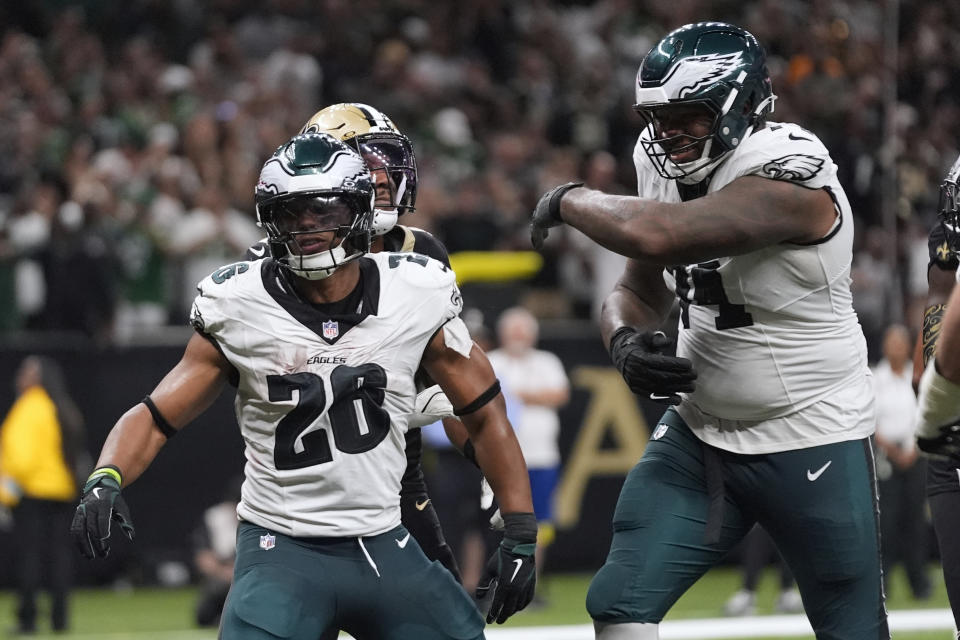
<point>42,452</point>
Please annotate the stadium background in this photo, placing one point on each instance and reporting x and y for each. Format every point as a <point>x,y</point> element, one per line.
<point>132,133</point>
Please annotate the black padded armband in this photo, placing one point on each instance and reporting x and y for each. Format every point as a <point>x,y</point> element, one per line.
<point>481,400</point>
<point>158,418</point>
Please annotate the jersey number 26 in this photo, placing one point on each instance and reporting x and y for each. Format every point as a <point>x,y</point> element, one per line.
<point>357,417</point>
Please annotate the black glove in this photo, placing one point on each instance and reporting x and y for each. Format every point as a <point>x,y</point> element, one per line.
<point>640,360</point>
<point>100,505</point>
<point>547,213</point>
<point>510,577</point>
<point>946,445</point>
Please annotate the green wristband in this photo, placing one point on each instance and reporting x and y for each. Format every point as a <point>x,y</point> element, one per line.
<point>111,471</point>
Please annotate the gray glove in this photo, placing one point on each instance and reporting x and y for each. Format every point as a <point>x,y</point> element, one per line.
<point>547,213</point>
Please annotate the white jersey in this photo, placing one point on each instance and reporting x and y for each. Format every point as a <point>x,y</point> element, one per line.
<point>322,401</point>
<point>779,353</point>
<point>538,427</point>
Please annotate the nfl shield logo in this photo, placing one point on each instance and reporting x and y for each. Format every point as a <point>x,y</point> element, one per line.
<point>659,431</point>
<point>268,542</point>
<point>331,329</point>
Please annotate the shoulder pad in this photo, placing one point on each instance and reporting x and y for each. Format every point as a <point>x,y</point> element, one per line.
<point>220,290</point>
<point>426,243</point>
<point>784,151</point>
<point>939,251</point>
<point>414,269</point>
<point>227,277</point>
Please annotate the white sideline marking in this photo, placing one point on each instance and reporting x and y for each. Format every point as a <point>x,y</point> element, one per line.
<point>702,629</point>
<point>744,627</point>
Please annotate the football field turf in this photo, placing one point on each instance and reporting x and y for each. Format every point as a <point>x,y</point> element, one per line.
<point>166,614</point>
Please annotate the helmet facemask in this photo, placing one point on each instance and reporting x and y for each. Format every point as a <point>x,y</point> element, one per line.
<point>313,235</point>
<point>660,148</point>
<point>949,209</point>
<point>393,167</point>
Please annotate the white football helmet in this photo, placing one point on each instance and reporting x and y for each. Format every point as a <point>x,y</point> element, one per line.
<point>314,184</point>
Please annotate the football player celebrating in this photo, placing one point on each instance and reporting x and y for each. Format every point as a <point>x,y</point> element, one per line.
<point>389,156</point>
<point>745,222</point>
<point>322,342</point>
<point>938,425</point>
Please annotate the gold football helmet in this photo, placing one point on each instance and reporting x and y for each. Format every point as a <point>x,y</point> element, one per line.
<point>387,152</point>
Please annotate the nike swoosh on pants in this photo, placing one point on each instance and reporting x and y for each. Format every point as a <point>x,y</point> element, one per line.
<point>813,475</point>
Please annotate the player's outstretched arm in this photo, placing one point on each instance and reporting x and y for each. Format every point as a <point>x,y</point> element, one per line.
<point>183,394</point>
<point>510,578</point>
<point>748,214</point>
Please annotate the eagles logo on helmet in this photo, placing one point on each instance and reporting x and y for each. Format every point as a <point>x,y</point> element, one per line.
<point>317,178</point>
<point>714,66</point>
<point>387,152</point>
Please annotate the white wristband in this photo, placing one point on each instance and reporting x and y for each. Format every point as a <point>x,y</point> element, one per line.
<point>938,403</point>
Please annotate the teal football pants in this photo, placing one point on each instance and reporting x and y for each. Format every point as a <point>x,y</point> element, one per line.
<point>818,504</point>
<point>295,588</point>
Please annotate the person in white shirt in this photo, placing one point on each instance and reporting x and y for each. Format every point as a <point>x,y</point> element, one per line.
<point>537,379</point>
<point>900,470</point>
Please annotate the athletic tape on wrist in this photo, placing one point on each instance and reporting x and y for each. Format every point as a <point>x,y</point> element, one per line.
<point>520,528</point>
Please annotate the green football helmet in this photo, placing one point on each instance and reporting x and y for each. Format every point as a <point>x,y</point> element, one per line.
<point>314,184</point>
<point>949,213</point>
<point>714,66</point>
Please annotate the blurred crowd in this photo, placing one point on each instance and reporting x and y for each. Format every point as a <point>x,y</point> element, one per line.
<point>133,130</point>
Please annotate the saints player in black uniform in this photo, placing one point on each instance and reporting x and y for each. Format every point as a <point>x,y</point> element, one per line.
<point>943,473</point>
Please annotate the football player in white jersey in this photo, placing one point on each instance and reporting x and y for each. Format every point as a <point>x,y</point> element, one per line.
<point>744,221</point>
<point>322,341</point>
<point>390,157</point>
<point>937,375</point>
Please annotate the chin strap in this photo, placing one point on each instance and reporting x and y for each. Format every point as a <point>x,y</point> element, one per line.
<point>318,265</point>
<point>384,220</point>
